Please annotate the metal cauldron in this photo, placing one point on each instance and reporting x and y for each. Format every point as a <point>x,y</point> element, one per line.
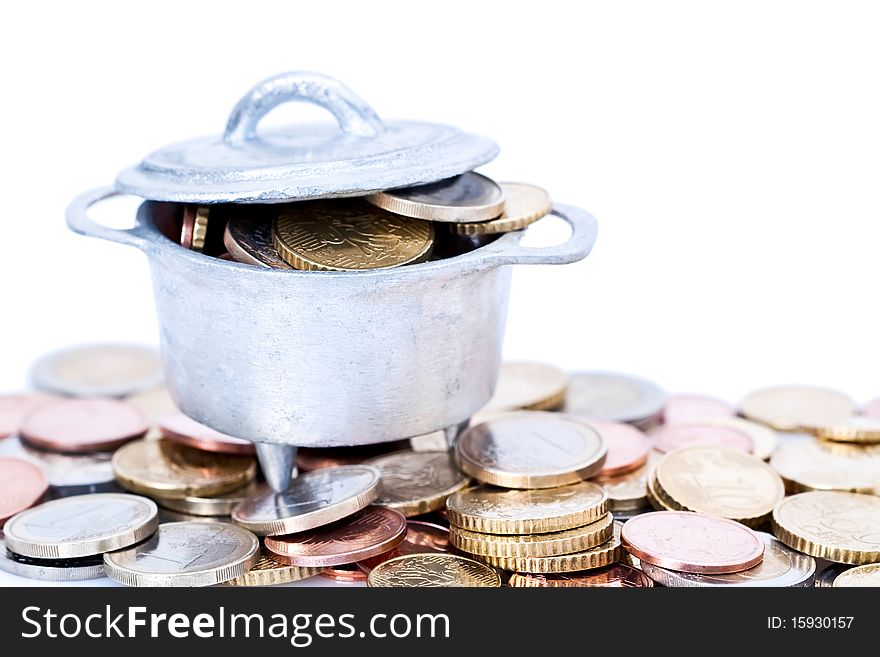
<point>306,358</point>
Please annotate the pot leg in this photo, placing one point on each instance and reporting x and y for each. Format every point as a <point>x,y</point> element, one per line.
<point>278,463</point>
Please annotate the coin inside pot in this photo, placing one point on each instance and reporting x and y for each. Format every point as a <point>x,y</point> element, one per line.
<point>467,197</point>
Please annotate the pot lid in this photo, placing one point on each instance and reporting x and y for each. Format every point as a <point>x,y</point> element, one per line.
<point>363,154</point>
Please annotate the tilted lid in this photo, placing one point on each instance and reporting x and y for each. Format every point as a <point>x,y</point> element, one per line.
<point>363,154</point>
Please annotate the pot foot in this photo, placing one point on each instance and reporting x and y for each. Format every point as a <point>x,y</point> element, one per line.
<point>277,463</point>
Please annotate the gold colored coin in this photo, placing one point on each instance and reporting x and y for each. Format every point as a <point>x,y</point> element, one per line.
<point>530,449</point>
<point>214,506</point>
<point>533,545</point>
<point>349,235</point>
<point>815,465</point>
<point>200,228</point>
<point>528,386</point>
<point>165,469</point>
<point>796,408</point>
<point>269,570</point>
<point>432,570</point>
<point>839,527</point>
<point>496,511</point>
<point>654,497</point>
<point>523,205</point>
<point>467,197</point>
<point>629,492</point>
<point>861,576</point>
<point>414,483</point>
<point>607,553</point>
<point>853,429</point>
<point>719,481</point>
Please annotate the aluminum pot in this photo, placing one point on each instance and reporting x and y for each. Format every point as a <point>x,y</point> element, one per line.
<point>312,358</point>
<point>288,358</point>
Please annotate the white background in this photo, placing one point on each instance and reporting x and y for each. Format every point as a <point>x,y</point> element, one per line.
<point>730,151</point>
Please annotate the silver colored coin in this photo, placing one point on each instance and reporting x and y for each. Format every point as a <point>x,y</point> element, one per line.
<point>615,397</point>
<point>313,499</point>
<point>530,449</point>
<point>468,197</point>
<point>51,570</point>
<point>81,526</point>
<point>781,567</point>
<point>825,578</point>
<point>186,554</point>
<point>219,505</point>
<point>98,370</point>
<point>87,470</point>
<point>249,240</point>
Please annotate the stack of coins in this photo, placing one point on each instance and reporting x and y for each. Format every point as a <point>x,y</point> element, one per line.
<point>388,229</point>
<point>66,539</point>
<point>533,513</point>
<point>546,531</point>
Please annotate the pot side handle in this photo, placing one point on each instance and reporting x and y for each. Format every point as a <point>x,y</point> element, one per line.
<point>355,117</point>
<point>79,221</point>
<point>507,250</point>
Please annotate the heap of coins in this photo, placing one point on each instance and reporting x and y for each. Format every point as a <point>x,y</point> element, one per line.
<point>564,479</point>
<point>388,229</point>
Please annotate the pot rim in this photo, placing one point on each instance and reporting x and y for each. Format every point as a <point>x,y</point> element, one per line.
<point>506,250</point>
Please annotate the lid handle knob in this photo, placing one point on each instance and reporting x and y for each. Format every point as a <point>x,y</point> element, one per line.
<point>354,116</point>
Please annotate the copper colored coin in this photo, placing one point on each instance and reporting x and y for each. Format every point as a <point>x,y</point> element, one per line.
<point>187,226</point>
<point>318,458</point>
<point>194,227</point>
<point>365,534</point>
<point>421,537</point>
<point>627,447</point>
<point>14,408</point>
<point>693,408</point>
<point>22,484</point>
<point>83,425</point>
<point>183,429</point>
<point>692,542</point>
<point>618,575</point>
<point>672,436</point>
<point>348,572</point>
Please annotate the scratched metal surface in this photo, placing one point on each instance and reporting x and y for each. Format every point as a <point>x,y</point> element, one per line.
<point>361,154</point>
<point>331,358</point>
